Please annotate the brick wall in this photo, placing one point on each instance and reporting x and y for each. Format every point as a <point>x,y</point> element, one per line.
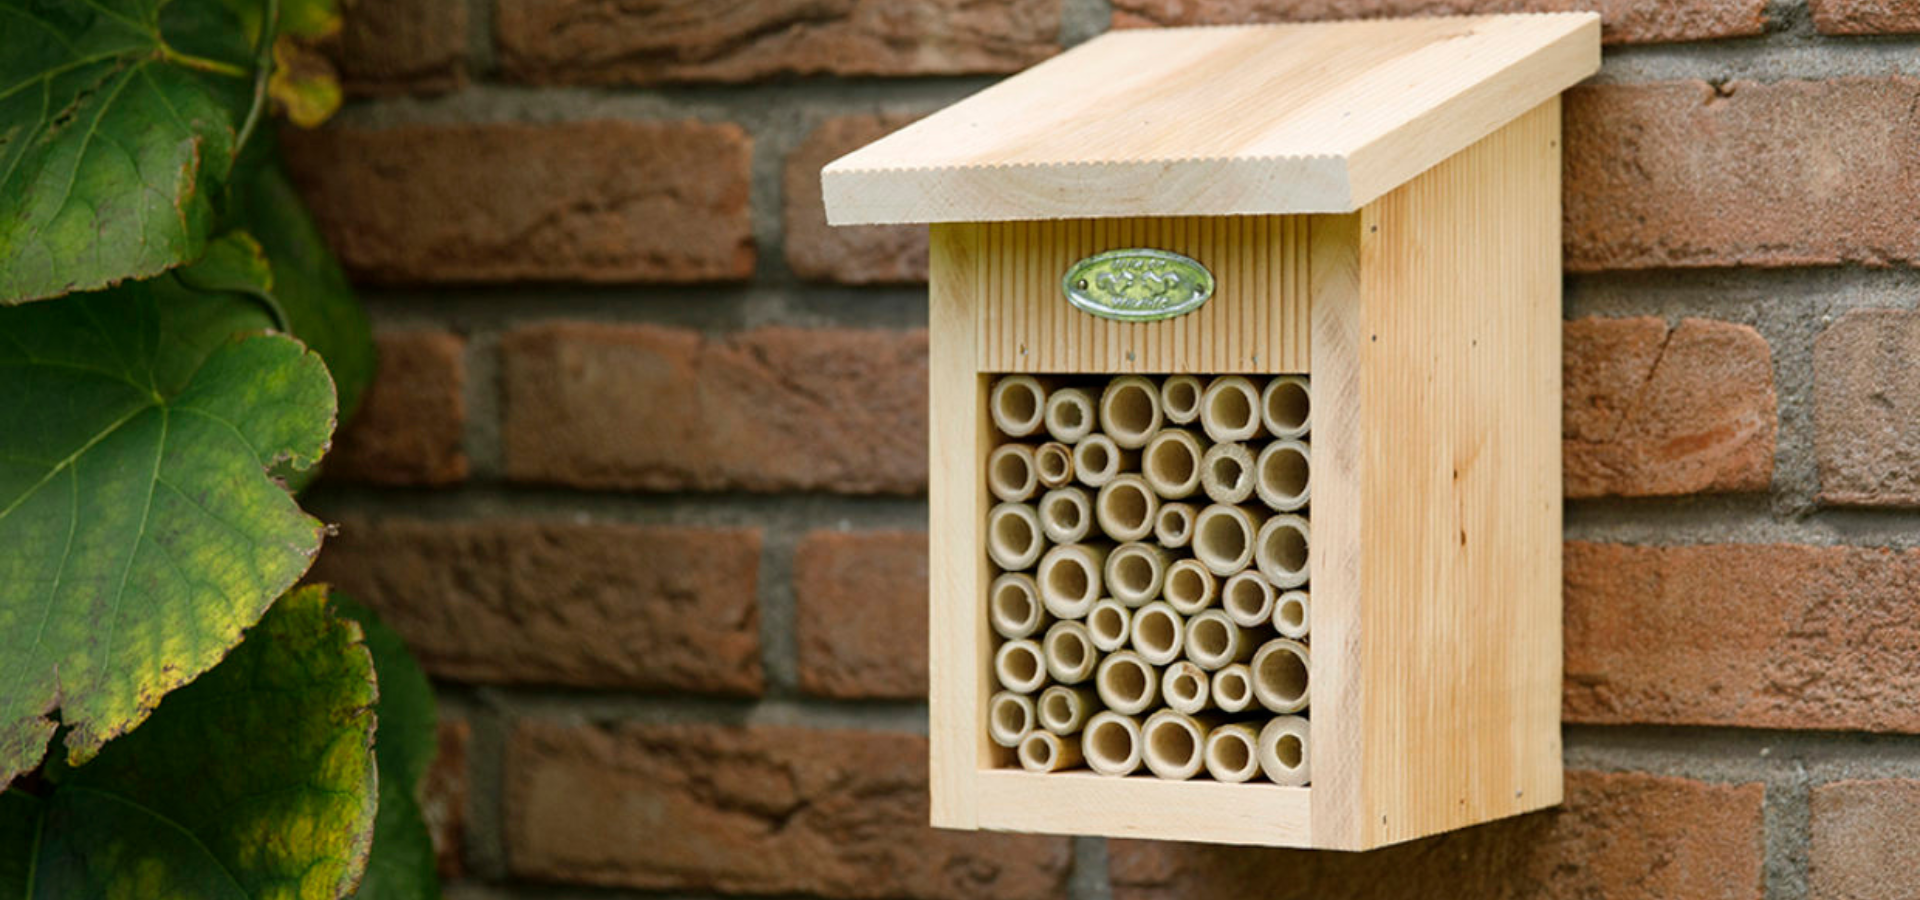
<point>643,478</point>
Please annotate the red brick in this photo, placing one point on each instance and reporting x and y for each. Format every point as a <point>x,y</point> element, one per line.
<point>1748,635</point>
<point>649,408</point>
<point>1651,411</point>
<point>583,605</point>
<point>1866,16</point>
<point>411,427</point>
<point>444,804</point>
<point>1866,841</point>
<point>595,42</point>
<point>855,254</point>
<point>1619,836</point>
<point>1780,174</point>
<point>1622,21</point>
<point>862,609</point>
<point>402,46</point>
<point>754,810</point>
<point>1866,409</point>
<point>597,201</point>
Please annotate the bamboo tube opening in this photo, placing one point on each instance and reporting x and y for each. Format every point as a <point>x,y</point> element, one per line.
<point>1126,508</point>
<point>1158,632</point>
<point>1233,688</point>
<point>1066,515</point>
<point>1174,744</point>
<point>1283,751</point>
<point>1189,588</point>
<point>1230,753</point>
<point>1045,752</point>
<point>1171,463</point>
<point>1281,553</point>
<point>1126,683</point>
<point>1010,472</point>
<point>1280,675</point>
<point>1009,718</point>
<point>1184,685</point>
<point>1064,710</point>
<point>1019,666</point>
<point>1223,538</point>
<point>1173,526</point>
<point>1135,573</point>
<point>1130,410</point>
<point>1283,476</point>
<point>1214,641</point>
<point>1180,398</point>
<point>1286,406</point>
<point>1247,599</point>
<point>1069,414</point>
<point>1292,614</point>
<point>1227,473</point>
<point>1069,653</point>
<point>1230,409</point>
<point>1097,460</point>
<point>1112,744</point>
<point>1053,464</point>
<point>1017,403</point>
<point>1108,625</point>
<point>1013,536</point>
<point>1069,579</point>
<point>1013,605</point>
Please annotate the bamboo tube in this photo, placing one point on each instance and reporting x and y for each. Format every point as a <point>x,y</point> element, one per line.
<point>1135,572</point>
<point>1248,599</point>
<point>1043,751</point>
<point>1180,398</point>
<point>1283,751</point>
<point>1293,614</point>
<point>1069,579</point>
<point>1018,404</point>
<point>1125,508</point>
<point>1130,411</point>
<point>1111,743</point>
<point>1126,683</point>
<point>1066,515</point>
<point>1175,744</point>
<point>1171,463</point>
<point>1070,415</point>
<point>1013,605</point>
<point>1281,675</point>
<point>1069,653</point>
<point>1173,525</point>
<point>1283,475</point>
<point>1009,718</point>
<point>1189,588</point>
<point>1214,641</point>
<point>1010,472</point>
<point>1184,687</point>
<point>1158,632</point>
<point>1233,688</point>
<point>1064,710</point>
<point>1053,464</point>
<point>1286,406</point>
<point>1227,473</point>
<point>1231,754</point>
<point>1019,666</point>
<point>1230,409</point>
<point>1281,553</point>
<point>1014,536</point>
<point>1097,460</point>
<point>1108,625</point>
<point>1223,537</point>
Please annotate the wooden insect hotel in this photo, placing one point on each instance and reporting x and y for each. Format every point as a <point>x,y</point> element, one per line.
<point>1245,428</point>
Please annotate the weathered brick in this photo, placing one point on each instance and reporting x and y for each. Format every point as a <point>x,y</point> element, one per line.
<point>861,603</point>
<point>583,605</point>
<point>411,425</point>
<point>402,46</point>
<point>1652,411</point>
<point>1866,409</point>
<point>1866,16</point>
<point>854,254</point>
<point>444,804</point>
<point>596,201</point>
<point>596,42</point>
<point>1748,635</point>
<point>650,408</point>
<point>1622,21</point>
<point>1745,174</point>
<point>1624,836</point>
<point>755,810</point>
<point>1866,841</point>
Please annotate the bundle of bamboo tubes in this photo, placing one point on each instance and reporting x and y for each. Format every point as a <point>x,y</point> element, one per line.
<point>1150,538</point>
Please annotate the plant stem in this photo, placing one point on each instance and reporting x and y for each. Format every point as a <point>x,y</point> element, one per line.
<point>201,63</point>
<point>263,65</point>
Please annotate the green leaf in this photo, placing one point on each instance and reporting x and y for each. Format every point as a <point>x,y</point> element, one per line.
<point>139,531</point>
<point>255,781</point>
<point>402,866</point>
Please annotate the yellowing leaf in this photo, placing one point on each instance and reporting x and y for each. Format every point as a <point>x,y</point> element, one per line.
<point>304,84</point>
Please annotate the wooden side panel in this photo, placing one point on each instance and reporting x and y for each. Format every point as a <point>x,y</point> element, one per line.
<point>1085,803</point>
<point>1459,500</point>
<point>1257,321</point>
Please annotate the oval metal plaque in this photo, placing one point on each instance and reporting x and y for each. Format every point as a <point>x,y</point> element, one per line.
<point>1137,285</point>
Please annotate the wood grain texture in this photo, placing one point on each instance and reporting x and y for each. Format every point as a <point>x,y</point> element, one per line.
<point>1259,119</point>
<point>1145,807</point>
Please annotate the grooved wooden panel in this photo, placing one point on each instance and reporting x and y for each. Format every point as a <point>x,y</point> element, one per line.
<point>1257,321</point>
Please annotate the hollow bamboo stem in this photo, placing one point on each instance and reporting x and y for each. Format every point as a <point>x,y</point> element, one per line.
<point>1126,683</point>
<point>1111,743</point>
<point>1173,525</point>
<point>1070,654</point>
<point>1171,463</point>
<point>1230,409</point>
<point>1281,553</point>
<point>1184,687</point>
<point>1284,746</point>
<point>1053,464</point>
<point>1286,406</point>
<point>1010,717</point>
<point>1280,670</point>
<point>1043,751</point>
<point>1232,753</point>
<point>1097,460</point>
<point>1158,632</point>
<point>1125,508</point>
<point>1070,414</point>
<point>1066,515</point>
<point>1013,536</point>
<point>1108,625</point>
<point>1223,537</point>
<point>1175,744</point>
<point>1247,599</point>
<point>1233,688</point>
<point>1227,473</point>
<point>1293,615</point>
<point>1283,475</point>
<point>1070,580</point>
<point>1180,398</point>
<point>1013,605</point>
<point>1019,666</point>
<point>1214,641</point>
<point>1017,404</point>
<point>1135,572</point>
<point>1130,410</point>
<point>1010,473</point>
<point>1190,587</point>
<point>1064,710</point>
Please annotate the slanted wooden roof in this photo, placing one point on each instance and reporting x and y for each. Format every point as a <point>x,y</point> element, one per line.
<point>1320,117</point>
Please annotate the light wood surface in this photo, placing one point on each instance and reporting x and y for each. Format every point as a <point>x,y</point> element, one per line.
<point>1142,806</point>
<point>1260,119</point>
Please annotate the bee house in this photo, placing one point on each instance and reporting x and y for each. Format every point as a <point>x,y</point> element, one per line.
<point>1245,429</point>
